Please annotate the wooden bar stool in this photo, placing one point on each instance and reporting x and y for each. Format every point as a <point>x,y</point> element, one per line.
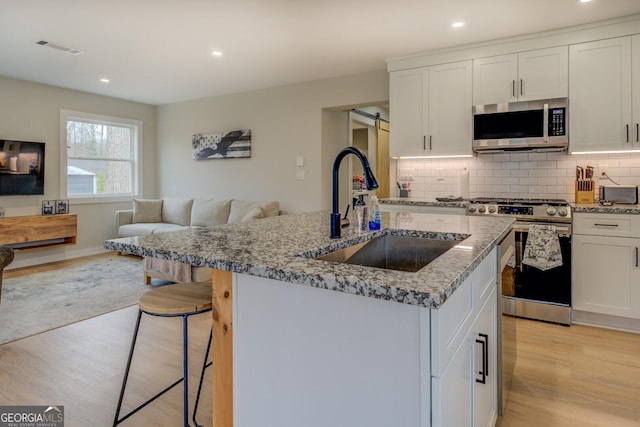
<point>184,300</point>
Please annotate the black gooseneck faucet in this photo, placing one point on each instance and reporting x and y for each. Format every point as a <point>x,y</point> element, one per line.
<point>369,180</point>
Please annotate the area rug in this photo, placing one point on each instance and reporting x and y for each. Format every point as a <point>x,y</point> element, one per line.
<point>38,302</point>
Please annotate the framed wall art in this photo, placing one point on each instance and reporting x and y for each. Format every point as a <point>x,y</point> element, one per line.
<point>222,145</point>
<point>47,207</point>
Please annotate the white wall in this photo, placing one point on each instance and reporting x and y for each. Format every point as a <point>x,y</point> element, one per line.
<point>31,111</point>
<point>531,175</point>
<point>286,122</point>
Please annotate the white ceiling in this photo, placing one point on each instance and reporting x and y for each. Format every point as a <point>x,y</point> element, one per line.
<point>159,51</point>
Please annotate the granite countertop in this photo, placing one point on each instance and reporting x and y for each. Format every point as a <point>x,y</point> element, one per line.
<point>274,247</point>
<point>424,202</point>
<point>613,209</point>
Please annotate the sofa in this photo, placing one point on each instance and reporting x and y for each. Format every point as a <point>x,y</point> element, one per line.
<point>149,216</point>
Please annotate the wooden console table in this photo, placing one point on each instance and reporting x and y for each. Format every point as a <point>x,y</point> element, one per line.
<point>38,231</point>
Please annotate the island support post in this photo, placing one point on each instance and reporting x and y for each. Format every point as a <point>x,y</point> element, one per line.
<point>222,283</point>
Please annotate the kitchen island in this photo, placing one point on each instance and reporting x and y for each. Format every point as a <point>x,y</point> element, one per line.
<point>300,341</point>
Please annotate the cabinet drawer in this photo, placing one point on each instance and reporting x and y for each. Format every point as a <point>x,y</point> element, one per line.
<point>606,225</point>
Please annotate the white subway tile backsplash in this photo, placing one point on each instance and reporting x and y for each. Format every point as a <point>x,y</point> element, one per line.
<point>531,175</point>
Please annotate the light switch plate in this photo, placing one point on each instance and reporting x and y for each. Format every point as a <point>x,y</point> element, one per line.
<point>299,161</point>
<point>300,174</point>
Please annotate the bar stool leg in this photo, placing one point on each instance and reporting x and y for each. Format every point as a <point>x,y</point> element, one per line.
<point>205,365</point>
<point>126,372</point>
<point>185,364</point>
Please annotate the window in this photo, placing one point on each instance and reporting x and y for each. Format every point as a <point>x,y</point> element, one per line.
<point>101,156</point>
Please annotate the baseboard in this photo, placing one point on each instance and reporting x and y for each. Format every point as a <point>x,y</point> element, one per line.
<point>60,256</point>
<point>605,321</point>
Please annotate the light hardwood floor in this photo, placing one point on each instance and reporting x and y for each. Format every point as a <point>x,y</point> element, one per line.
<point>576,376</point>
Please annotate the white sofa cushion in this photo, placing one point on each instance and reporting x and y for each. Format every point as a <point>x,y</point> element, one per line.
<point>147,210</point>
<point>176,211</point>
<point>143,228</point>
<point>240,208</point>
<point>209,212</point>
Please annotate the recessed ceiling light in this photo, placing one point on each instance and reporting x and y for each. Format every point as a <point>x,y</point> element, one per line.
<point>584,1</point>
<point>104,80</point>
<point>217,53</point>
<point>457,24</point>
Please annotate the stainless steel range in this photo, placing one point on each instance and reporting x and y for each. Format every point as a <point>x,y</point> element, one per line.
<point>526,290</point>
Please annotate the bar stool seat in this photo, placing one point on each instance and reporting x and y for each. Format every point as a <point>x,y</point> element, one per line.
<point>179,300</point>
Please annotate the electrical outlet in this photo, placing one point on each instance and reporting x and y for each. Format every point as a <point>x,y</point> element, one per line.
<point>602,172</point>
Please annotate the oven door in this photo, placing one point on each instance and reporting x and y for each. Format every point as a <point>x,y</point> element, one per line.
<point>532,293</point>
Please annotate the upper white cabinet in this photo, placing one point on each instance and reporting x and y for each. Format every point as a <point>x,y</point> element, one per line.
<point>536,74</point>
<point>605,96</point>
<point>430,110</point>
<point>408,104</point>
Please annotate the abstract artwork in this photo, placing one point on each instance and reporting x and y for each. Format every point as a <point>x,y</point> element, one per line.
<point>222,145</point>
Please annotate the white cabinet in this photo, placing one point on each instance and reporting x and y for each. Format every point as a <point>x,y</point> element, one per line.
<point>464,363</point>
<point>606,275</point>
<point>537,74</point>
<point>430,110</point>
<point>605,102</point>
<point>408,106</point>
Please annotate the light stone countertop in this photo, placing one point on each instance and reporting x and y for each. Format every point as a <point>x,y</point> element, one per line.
<point>613,209</point>
<point>274,247</point>
<point>423,202</point>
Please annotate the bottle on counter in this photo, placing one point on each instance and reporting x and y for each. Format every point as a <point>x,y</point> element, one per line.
<point>360,215</point>
<point>375,222</point>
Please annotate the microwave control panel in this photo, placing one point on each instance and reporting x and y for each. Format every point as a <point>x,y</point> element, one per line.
<point>557,122</point>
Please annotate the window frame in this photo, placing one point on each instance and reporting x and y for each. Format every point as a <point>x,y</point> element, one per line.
<point>136,160</point>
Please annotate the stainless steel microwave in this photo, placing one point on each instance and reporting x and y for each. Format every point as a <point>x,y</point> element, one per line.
<point>521,126</point>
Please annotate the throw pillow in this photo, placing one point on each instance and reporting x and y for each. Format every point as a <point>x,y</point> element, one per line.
<point>240,208</point>
<point>147,210</point>
<point>209,212</point>
<point>255,213</point>
<point>177,211</point>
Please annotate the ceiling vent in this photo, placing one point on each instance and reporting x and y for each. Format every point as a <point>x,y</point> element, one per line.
<point>60,47</point>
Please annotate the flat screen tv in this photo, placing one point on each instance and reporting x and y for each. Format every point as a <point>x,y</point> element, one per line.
<point>21,168</point>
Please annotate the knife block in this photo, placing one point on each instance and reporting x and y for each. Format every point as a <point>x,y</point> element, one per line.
<point>585,192</point>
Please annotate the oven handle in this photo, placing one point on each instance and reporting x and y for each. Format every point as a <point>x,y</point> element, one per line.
<point>563,230</point>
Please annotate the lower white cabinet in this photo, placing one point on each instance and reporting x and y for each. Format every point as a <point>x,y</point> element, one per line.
<point>606,271</point>
<point>465,372</point>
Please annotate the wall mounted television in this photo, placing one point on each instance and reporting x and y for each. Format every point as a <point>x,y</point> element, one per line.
<point>21,168</point>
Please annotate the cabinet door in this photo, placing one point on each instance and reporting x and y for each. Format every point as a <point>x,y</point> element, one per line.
<point>494,79</point>
<point>600,103</point>
<point>452,393</point>
<point>450,109</point>
<point>408,112</point>
<point>635,44</point>
<point>485,395</point>
<point>606,276</point>
<point>543,74</point>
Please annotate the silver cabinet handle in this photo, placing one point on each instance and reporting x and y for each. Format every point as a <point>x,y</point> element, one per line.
<point>513,88</point>
<point>636,256</point>
<point>637,132</point>
<point>430,144</point>
<point>606,225</point>
<point>521,87</point>
<point>424,142</point>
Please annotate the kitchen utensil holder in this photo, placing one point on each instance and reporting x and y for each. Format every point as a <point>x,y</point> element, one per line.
<point>585,192</point>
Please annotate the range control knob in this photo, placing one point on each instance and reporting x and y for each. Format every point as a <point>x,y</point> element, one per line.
<point>493,208</point>
<point>563,211</point>
<point>482,208</point>
<point>551,211</point>
<point>471,208</point>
